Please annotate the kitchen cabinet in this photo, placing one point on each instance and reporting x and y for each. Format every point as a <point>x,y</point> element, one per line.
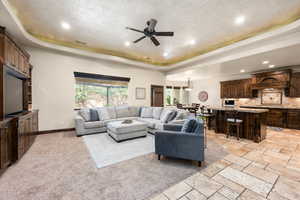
<point>27,130</point>
<point>294,90</point>
<point>281,117</point>
<point>6,153</point>
<point>237,89</point>
<point>293,119</point>
<point>275,118</point>
<point>13,55</point>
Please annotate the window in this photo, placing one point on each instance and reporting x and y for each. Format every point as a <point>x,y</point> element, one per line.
<point>176,96</point>
<point>169,96</point>
<point>91,92</point>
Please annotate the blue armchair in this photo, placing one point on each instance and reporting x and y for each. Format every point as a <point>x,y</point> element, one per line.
<point>174,143</point>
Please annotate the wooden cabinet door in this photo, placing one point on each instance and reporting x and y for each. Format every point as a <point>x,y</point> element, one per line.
<point>21,63</point>
<point>293,119</point>
<point>236,89</point>
<point>21,138</point>
<point>5,157</point>
<point>275,118</point>
<point>6,51</point>
<point>295,85</point>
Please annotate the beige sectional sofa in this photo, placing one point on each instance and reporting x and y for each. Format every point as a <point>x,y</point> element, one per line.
<point>90,121</point>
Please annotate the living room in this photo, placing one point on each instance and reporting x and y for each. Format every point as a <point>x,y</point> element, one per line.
<point>159,107</point>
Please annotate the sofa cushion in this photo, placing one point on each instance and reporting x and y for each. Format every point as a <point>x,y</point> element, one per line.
<point>157,112</point>
<point>103,113</point>
<point>134,111</point>
<point>95,124</point>
<point>165,115</point>
<point>94,116</point>
<point>189,126</point>
<point>85,114</point>
<point>122,111</point>
<point>151,123</point>
<point>181,114</point>
<point>112,112</point>
<point>147,112</point>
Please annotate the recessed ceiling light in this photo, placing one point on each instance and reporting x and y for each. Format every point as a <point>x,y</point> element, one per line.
<point>192,42</point>
<point>166,54</point>
<point>271,66</point>
<point>188,72</point>
<point>266,62</point>
<point>65,25</point>
<point>127,44</point>
<point>242,70</point>
<point>239,20</point>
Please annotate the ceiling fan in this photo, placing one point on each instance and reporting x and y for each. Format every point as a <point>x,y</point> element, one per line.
<point>150,32</point>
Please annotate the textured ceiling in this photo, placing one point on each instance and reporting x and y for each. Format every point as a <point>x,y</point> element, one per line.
<point>101,24</point>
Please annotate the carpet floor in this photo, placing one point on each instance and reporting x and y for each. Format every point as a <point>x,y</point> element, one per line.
<point>59,167</point>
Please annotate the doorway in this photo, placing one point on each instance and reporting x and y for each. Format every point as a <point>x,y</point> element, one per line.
<point>157,96</point>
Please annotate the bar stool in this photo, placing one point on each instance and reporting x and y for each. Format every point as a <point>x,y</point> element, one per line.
<point>233,121</point>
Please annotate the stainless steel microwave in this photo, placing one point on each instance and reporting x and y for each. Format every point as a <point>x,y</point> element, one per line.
<point>229,103</point>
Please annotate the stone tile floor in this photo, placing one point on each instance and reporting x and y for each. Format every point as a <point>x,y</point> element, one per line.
<point>252,171</point>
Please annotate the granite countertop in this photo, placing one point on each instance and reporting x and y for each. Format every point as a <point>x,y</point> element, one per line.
<point>247,110</point>
<point>272,106</point>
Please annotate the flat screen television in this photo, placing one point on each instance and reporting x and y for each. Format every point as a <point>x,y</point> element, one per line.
<point>13,95</point>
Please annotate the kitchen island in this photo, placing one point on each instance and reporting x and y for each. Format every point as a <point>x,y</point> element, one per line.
<point>254,122</point>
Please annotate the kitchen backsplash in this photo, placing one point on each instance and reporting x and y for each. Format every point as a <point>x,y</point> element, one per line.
<point>286,101</point>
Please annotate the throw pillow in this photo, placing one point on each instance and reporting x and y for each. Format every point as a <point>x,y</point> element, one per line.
<point>189,126</point>
<point>172,116</point>
<point>85,114</point>
<point>147,112</point>
<point>103,113</point>
<point>166,114</point>
<point>157,112</point>
<point>94,115</point>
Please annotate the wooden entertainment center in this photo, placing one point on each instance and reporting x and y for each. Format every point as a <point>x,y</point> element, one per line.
<point>17,130</point>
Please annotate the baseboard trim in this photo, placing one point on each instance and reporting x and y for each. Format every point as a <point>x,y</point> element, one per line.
<point>55,131</point>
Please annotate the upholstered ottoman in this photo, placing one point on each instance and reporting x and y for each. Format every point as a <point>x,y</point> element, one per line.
<point>120,132</point>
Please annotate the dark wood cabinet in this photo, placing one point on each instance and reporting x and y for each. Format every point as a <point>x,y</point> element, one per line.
<point>6,148</point>
<point>27,130</point>
<point>12,54</point>
<point>293,119</point>
<point>237,89</point>
<point>253,126</point>
<point>281,117</point>
<point>275,118</point>
<point>294,90</point>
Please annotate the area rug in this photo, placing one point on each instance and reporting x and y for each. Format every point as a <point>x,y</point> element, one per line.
<point>105,151</point>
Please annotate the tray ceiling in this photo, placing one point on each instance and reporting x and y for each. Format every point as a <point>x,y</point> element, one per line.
<point>200,26</point>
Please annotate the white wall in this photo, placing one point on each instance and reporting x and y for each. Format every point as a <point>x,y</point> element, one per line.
<point>53,84</point>
<point>212,87</point>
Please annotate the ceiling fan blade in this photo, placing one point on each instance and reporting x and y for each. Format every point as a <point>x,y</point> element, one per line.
<point>152,24</point>
<point>164,33</point>
<point>155,41</point>
<point>133,29</point>
<point>139,39</point>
